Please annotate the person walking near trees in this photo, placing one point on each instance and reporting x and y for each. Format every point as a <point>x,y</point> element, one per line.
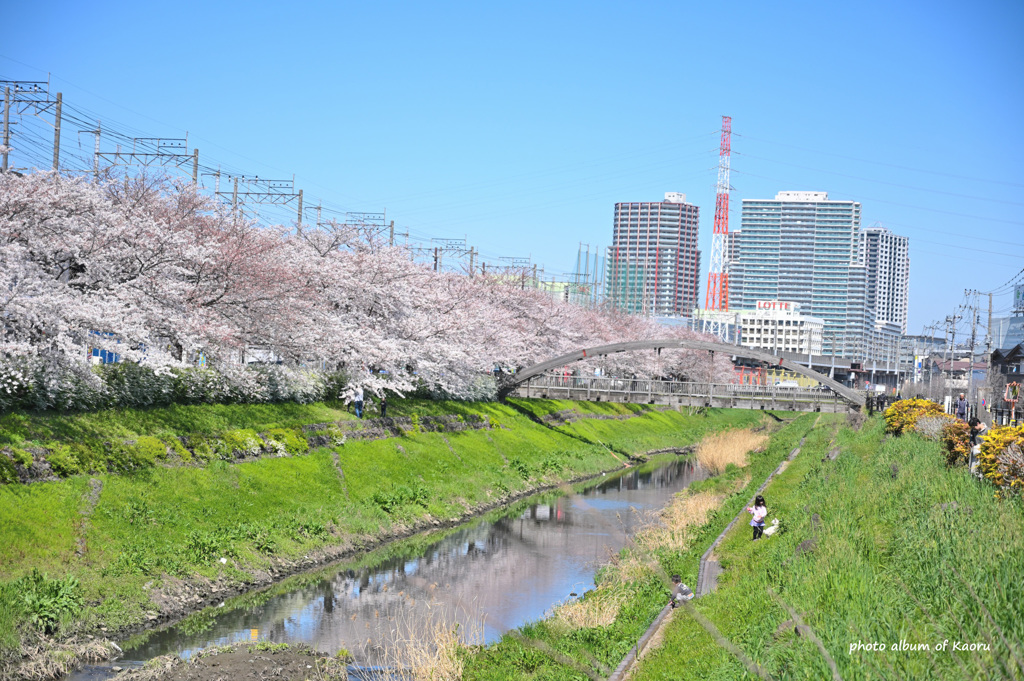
<point>357,402</point>
<point>961,407</point>
<point>760,511</point>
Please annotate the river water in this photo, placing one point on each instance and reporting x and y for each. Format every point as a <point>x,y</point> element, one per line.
<point>490,575</point>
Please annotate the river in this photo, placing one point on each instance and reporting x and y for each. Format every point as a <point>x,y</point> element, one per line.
<point>490,575</point>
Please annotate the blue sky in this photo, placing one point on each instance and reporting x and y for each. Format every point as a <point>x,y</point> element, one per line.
<point>519,125</point>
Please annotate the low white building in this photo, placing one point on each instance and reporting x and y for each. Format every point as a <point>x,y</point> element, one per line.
<point>777,325</point>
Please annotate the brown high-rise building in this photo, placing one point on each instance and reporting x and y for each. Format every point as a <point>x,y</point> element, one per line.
<point>653,264</point>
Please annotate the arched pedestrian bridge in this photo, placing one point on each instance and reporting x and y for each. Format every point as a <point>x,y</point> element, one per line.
<point>534,381</point>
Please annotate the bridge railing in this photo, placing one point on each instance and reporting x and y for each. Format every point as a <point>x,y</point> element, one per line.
<point>636,387</point>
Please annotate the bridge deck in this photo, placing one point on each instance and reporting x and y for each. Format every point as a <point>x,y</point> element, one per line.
<point>682,394</point>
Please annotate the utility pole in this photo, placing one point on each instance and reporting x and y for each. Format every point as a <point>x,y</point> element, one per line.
<point>234,200</point>
<point>7,124</point>
<point>96,153</point>
<point>195,163</point>
<point>951,321</point>
<point>988,352</point>
<point>299,221</point>
<point>56,135</point>
<point>988,329</point>
<point>970,363</point>
<point>437,258</point>
<point>472,254</point>
<point>391,234</point>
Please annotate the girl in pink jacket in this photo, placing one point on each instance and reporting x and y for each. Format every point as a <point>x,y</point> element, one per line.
<point>760,512</point>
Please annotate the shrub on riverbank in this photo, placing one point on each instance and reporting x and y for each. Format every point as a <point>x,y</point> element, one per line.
<point>956,441</point>
<point>902,416</point>
<point>1000,460</point>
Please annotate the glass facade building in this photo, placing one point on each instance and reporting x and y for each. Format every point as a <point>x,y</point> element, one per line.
<point>802,247</point>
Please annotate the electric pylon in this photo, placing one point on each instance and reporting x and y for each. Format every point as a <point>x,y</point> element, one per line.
<point>717,297</point>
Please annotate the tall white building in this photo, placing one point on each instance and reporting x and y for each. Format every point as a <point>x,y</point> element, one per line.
<point>887,259</point>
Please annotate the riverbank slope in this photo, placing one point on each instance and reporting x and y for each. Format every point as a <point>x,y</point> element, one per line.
<point>100,553</point>
<point>898,566</point>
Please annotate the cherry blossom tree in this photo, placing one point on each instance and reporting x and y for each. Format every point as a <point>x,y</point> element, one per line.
<point>167,276</point>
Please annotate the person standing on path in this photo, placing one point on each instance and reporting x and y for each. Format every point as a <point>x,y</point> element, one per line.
<point>961,407</point>
<point>357,401</point>
<point>760,512</point>
<point>383,405</point>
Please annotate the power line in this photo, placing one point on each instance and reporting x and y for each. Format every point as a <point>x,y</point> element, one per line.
<point>888,165</point>
<point>885,182</point>
<point>896,203</point>
<point>1008,283</point>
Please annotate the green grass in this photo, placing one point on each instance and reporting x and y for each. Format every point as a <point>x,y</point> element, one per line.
<point>658,429</point>
<point>890,564</point>
<point>524,654</point>
<point>24,428</point>
<point>152,523</point>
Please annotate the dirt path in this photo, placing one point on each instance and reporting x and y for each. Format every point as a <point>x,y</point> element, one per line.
<point>251,661</point>
<point>90,501</point>
<point>341,473</point>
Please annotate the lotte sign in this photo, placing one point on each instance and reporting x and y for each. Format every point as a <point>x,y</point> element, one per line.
<point>774,305</point>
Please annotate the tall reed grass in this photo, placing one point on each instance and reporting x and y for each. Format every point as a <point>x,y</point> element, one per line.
<point>428,642</point>
<point>717,451</point>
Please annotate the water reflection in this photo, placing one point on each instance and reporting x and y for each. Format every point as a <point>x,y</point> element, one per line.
<point>490,576</point>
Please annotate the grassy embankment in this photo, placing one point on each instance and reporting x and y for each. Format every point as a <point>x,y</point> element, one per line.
<point>905,550</point>
<point>588,638</point>
<point>109,542</point>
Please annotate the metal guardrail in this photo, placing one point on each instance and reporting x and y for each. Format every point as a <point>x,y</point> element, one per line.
<point>1003,416</point>
<point>656,388</point>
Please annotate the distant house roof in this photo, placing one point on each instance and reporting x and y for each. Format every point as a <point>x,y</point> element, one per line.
<point>1014,354</point>
<point>960,365</point>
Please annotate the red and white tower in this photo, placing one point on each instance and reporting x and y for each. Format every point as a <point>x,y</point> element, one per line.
<point>717,297</point>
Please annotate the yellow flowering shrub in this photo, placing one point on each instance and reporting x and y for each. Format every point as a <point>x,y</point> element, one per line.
<point>956,440</point>
<point>1001,460</point>
<point>902,415</point>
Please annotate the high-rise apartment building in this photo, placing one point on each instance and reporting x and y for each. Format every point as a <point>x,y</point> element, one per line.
<point>887,259</point>
<point>653,264</point>
<point>802,247</point>
<point>732,255</point>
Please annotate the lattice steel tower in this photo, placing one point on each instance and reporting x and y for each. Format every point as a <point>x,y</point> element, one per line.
<point>717,296</point>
